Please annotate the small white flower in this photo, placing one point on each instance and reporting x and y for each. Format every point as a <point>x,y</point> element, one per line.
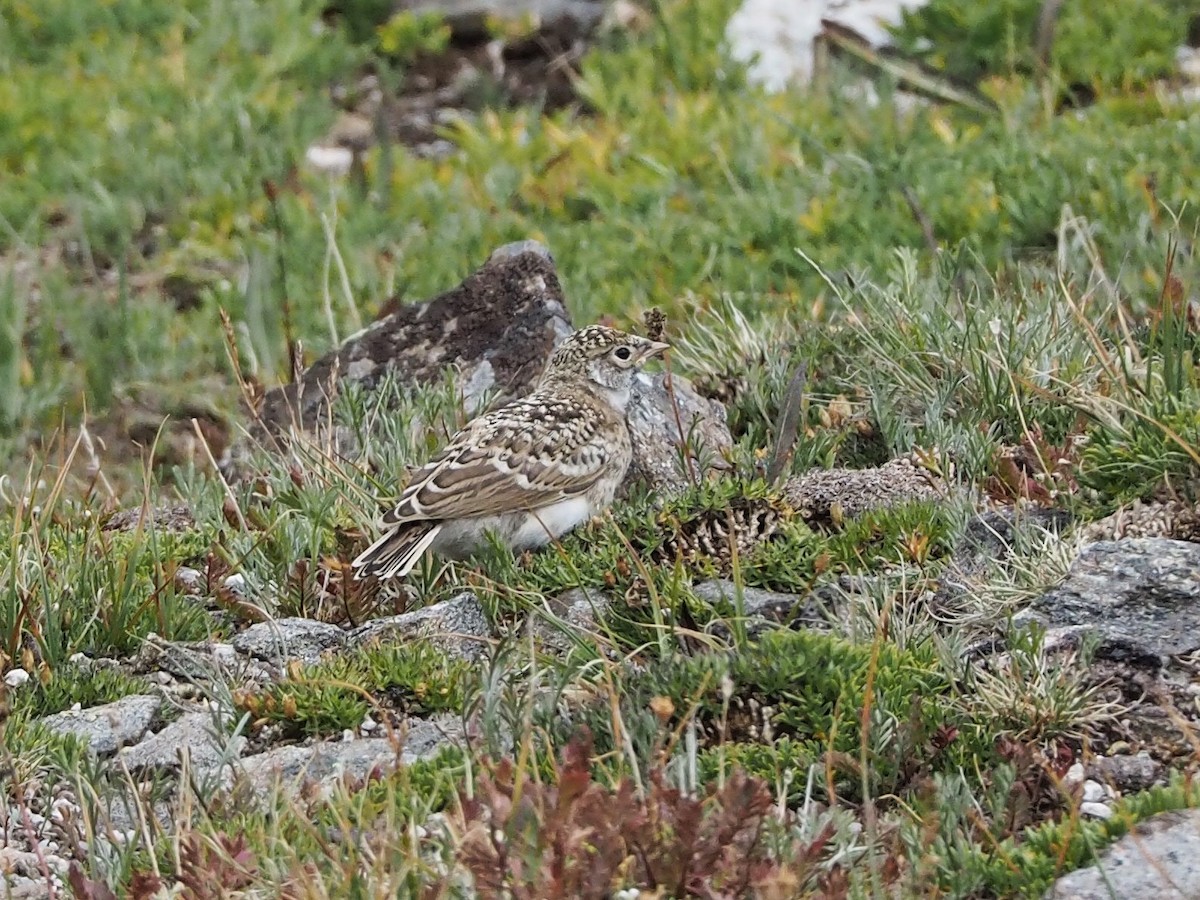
<point>995,327</point>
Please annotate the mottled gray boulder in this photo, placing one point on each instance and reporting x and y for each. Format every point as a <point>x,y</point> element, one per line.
<point>828,495</point>
<point>1159,859</point>
<point>458,627</point>
<point>110,727</point>
<point>323,763</point>
<point>195,734</point>
<point>1140,597</point>
<point>498,328</point>
<point>282,640</point>
<point>665,416</point>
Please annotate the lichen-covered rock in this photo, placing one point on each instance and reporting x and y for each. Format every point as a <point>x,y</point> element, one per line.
<point>829,495</point>
<point>288,767</point>
<point>107,728</point>
<point>282,640</point>
<point>498,327</point>
<point>197,733</point>
<point>458,627</point>
<point>177,517</point>
<point>1159,858</point>
<point>1141,597</point>
<point>678,436</point>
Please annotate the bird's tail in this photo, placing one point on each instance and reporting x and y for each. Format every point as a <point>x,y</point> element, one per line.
<point>396,551</point>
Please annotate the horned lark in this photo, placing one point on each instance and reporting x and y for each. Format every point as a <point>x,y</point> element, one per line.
<point>529,471</point>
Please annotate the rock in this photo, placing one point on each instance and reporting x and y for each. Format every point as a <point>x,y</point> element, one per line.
<point>458,627</point>
<point>657,413</point>
<point>177,517</point>
<point>356,759</point>
<point>21,875</point>
<point>579,611</point>
<point>1126,774</point>
<point>827,495</point>
<point>758,603</point>
<point>1095,792</point>
<point>1141,597</point>
<point>282,640</point>
<point>777,39</point>
<point>196,733</point>
<point>196,661</point>
<point>108,728</point>
<point>498,327</point>
<point>16,678</point>
<point>1095,810</point>
<point>1160,858</point>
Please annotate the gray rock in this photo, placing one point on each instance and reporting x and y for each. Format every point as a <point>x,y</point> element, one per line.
<point>282,640</point>
<point>177,517</point>
<point>578,610</point>
<point>190,660</point>
<point>1127,774</point>
<point>1160,858</point>
<point>108,728</point>
<point>324,763</point>
<point>662,419</point>
<point>1141,597</point>
<point>827,495</point>
<point>194,733</point>
<point>498,328</point>
<point>458,626</point>
<point>770,605</point>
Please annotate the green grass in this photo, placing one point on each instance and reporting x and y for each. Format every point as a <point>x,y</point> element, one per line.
<point>1042,352</point>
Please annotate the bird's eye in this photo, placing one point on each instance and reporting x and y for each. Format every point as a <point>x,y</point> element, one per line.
<point>622,353</point>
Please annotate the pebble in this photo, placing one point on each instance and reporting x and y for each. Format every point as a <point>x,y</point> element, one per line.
<point>368,725</point>
<point>1096,810</point>
<point>188,580</point>
<point>1075,774</point>
<point>14,678</point>
<point>1094,792</point>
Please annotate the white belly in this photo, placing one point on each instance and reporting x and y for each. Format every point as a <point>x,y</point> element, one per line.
<point>521,531</point>
<point>551,522</point>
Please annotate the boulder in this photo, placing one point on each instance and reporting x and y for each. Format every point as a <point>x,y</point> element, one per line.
<point>1159,858</point>
<point>1140,597</point>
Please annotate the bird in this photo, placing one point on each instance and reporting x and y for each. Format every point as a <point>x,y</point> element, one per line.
<point>528,471</point>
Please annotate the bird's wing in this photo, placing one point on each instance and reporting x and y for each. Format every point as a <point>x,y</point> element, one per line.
<point>525,455</point>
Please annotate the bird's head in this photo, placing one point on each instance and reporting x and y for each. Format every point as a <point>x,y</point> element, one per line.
<point>604,356</point>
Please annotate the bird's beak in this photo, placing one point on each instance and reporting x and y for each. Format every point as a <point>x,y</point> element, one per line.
<point>654,348</point>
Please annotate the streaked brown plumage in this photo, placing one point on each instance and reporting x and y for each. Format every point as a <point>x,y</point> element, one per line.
<point>529,471</point>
